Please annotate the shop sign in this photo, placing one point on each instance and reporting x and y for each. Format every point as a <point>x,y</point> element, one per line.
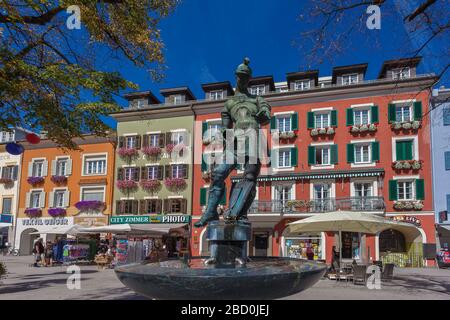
<point>6,218</point>
<point>45,222</point>
<point>150,219</point>
<point>91,221</point>
<point>408,219</point>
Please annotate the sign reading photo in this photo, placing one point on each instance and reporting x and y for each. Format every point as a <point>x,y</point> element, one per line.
<point>150,219</point>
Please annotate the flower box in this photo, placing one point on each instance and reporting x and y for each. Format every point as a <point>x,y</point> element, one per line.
<point>35,180</point>
<point>151,185</point>
<point>407,125</point>
<point>33,212</point>
<point>59,179</point>
<point>323,132</point>
<point>6,181</point>
<point>407,164</point>
<point>127,152</point>
<point>152,151</point>
<point>175,184</point>
<point>363,128</point>
<point>285,135</point>
<point>126,184</point>
<point>90,205</point>
<point>408,205</point>
<point>169,147</point>
<point>57,212</point>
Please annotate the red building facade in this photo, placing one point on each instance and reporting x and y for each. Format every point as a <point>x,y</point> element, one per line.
<point>344,144</point>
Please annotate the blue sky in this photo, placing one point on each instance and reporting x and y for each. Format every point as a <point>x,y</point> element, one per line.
<point>206,40</point>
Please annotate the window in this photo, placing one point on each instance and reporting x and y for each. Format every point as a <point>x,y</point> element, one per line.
<point>128,206</point>
<point>361,116</point>
<point>152,206</point>
<point>6,205</point>
<point>128,173</point>
<point>392,240</point>
<point>322,120</point>
<point>363,189</point>
<point>322,155</point>
<point>402,113</point>
<point>61,167</point>
<point>446,116</point>
<point>322,194</point>
<point>348,79</point>
<point>130,142</point>
<point>401,73</point>
<point>10,172</point>
<point>140,103</point>
<point>283,192</point>
<point>178,137</point>
<point>362,153</point>
<point>177,99</point>
<point>94,165</point>
<point>93,193</point>
<point>38,168</point>
<point>258,90</point>
<point>284,158</point>
<point>216,95</point>
<point>152,173</point>
<point>35,199</point>
<point>405,190</point>
<point>153,140</point>
<point>302,85</point>
<point>58,200</point>
<point>214,128</point>
<point>404,150</point>
<point>175,205</point>
<point>178,171</point>
<point>6,136</point>
<point>284,123</point>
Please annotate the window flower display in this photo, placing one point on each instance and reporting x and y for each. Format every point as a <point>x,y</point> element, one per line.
<point>286,135</point>
<point>151,185</point>
<point>126,184</point>
<point>175,184</point>
<point>35,180</point>
<point>152,151</point>
<point>169,147</point>
<point>6,181</point>
<point>407,164</point>
<point>127,152</point>
<point>408,205</point>
<point>90,205</point>
<point>407,125</point>
<point>59,179</point>
<point>57,212</point>
<point>33,212</point>
<point>322,131</point>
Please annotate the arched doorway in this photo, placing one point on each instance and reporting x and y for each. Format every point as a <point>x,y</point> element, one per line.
<point>404,249</point>
<point>27,240</point>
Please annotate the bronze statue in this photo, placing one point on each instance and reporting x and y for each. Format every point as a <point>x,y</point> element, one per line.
<point>243,114</point>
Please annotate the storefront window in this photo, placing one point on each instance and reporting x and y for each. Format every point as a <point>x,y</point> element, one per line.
<point>392,240</point>
<point>351,242</point>
<point>304,247</point>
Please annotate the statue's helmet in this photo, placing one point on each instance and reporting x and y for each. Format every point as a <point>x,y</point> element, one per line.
<point>243,68</point>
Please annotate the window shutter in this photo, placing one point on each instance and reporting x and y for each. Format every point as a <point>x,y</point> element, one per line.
<point>136,173</point>
<point>185,171</point>
<point>134,206</point>
<point>69,167</point>
<point>223,200</point>
<point>142,206</point>
<point>160,172</point>
<point>393,190</point>
<point>118,207</point>
<point>334,154</point>
<point>273,123</point>
<point>51,200</point>
<point>144,173</point>
<point>138,142</point>
<point>45,168</point>
<point>334,118</point>
<point>350,153</point>
<point>408,150</point>
<point>391,112</point>
<point>158,206</point>
<point>168,171</point>
<point>30,168</point>
<point>53,168</point>
<point>349,117</point>
<point>420,189</point>
<point>42,200</point>
<point>375,151</point>
<point>400,150</point>
<point>67,198</point>
<point>168,138</point>
<point>183,206</point>
<point>310,118</point>
<point>311,155</point>
<point>145,140</point>
<point>120,174</point>
<point>204,165</point>
<point>15,172</point>
<point>204,128</point>
<point>374,114</point>
<point>447,160</point>
<point>161,140</point>
<point>294,156</point>
<point>121,142</point>
<point>203,192</point>
<point>294,121</point>
<point>166,206</point>
<point>28,200</point>
<point>417,110</point>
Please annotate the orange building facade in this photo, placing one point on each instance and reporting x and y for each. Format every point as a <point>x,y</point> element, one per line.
<point>61,188</point>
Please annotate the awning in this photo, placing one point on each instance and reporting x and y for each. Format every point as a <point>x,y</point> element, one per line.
<point>70,230</point>
<point>146,229</point>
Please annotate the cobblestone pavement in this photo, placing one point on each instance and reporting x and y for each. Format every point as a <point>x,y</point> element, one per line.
<point>24,282</point>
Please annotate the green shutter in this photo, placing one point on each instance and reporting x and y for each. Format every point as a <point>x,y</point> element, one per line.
<point>350,117</point>
<point>204,165</point>
<point>400,150</point>
<point>418,110</point>
<point>204,128</point>
<point>310,120</point>
<point>223,201</point>
<point>294,121</point>
<point>374,114</point>
<point>334,118</point>
<point>375,151</point>
<point>408,150</point>
<point>294,157</point>
<point>203,192</point>
<point>420,189</point>
<point>393,190</point>
<point>311,155</point>
<point>350,153</point>
<point>334,154</point>
<point>391,112</point>
<point>273,123</point>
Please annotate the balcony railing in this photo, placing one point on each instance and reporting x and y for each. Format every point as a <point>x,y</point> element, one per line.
<point>371,204</point>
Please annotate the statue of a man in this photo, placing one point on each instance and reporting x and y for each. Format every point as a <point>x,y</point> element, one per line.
<point>244,114</point>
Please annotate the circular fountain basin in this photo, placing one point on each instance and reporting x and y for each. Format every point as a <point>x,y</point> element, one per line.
<point>262,278</point>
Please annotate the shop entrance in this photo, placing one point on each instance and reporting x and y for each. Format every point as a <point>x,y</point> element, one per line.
<point>351,243</point>
<point>304,246</point>
<point>261,244</point>
<point>27,240</point>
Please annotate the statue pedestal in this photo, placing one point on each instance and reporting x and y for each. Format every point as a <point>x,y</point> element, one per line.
<point>228,243</point>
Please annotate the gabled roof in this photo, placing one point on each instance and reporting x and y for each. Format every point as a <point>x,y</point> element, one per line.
<point>178,90</point>
<point>262,80</point>
<point>362,67</point>
<point>300,75</point>
<point>398,63</point>
<point>224,85</point>
<point>142,94</point>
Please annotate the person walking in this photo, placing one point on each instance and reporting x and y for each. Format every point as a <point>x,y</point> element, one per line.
<point>48,254</point>
<point>38,251</point>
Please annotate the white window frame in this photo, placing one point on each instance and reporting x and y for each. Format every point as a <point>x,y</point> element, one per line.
<point>403,107</point>
<point>58,159</point>
<point>287,121</point>
<point>177,99</point>
<point>258,89</point>
<point>216,95</point>
<point>55,192</point>
<point>373,182</point>
<point>322,147</point>
<point>349,76</point>
<point>369,153</point>
<point>128,172</point>
<point>178,170</point>
<point>6,136</point>
<point>211,132</point>
<point>321,114</point>
<point>415,139</point>
<point>94,155</point>
<point>153,139</point>
<point>41,161</point>
<point>92,187</point>
<point>37,191</point>
<point>413,187</point>
<point>140,103</point>
<point>130,142</point>
<point>154,172</point>
<point>369,116</point>
<point>11,208</point>
<point>397,73</point>
<point>299,85</point>
<point>283,184</point>
<point>283,150</point>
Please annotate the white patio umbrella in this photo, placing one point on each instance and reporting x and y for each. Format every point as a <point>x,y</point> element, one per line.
<point>348,221</point>
<point>70,230</point>
<point>150,229</point>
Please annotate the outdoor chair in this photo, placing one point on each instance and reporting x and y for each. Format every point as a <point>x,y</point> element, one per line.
<point>378,263</point>
<point>388,272</point>
<point>359,274</point>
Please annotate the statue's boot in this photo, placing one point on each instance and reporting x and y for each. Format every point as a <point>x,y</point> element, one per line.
<point>210,214</point>
<point>241,199</point>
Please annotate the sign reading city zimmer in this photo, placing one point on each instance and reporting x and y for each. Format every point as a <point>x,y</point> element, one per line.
<point>149,219</point>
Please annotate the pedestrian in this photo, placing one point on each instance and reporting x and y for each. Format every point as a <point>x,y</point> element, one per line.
<point>309,251</point>
<point>335,263</point>
<point>38,251</point>
<point>48,254</point>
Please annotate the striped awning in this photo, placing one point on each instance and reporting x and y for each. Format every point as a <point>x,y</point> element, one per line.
<point>319,175</point>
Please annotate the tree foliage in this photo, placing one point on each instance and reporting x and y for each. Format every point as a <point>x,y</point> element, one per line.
<point>51,77</point>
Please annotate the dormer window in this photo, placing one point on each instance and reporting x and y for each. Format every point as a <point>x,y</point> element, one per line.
<point>258,90</point>
<point>177,99</point>
<point>401,73</point>
<point>302,85</point>
<point>216,95</point>
<point>348,79</point>
<point>140,103</point>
